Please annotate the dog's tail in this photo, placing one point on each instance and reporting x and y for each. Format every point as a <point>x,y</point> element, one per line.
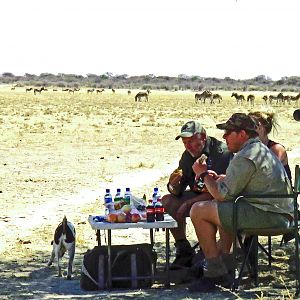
<point>64,225</point>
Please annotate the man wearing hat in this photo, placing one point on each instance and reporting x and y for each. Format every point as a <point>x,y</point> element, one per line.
<point>253,170</point>
<point>180,200</point>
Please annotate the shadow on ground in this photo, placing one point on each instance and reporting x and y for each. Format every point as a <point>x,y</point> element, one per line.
<point>30,278</point>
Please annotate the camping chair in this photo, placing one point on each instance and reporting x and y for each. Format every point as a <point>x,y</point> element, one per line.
<point>250,257</point>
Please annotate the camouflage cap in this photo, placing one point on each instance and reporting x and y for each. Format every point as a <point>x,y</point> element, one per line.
<point>239,121</point>
<point>189,129</point>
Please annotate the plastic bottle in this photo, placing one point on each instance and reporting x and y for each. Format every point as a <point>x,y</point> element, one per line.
<point>127,196</point>
<point>159,211</point>
<point>155,195</point>
<point>118,196</point>
<point>150,210</point>
<point>107,201</point>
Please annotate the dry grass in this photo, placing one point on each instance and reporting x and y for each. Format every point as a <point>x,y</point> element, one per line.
<point>59,152</point>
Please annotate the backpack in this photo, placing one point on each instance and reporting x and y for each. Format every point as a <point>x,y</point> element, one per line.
<point>95,266</point>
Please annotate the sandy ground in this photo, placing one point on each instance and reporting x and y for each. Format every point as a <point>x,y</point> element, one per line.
<point>58,154</point>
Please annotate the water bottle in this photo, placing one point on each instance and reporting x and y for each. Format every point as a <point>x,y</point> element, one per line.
<point>155,195</point>
<point>127,196</point>
<point>159,211</point>
<point>118,196</point>
<point>150,211</point>
<point>107,201</point>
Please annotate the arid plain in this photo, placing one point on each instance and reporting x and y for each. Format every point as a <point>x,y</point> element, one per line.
<point>59,151</point>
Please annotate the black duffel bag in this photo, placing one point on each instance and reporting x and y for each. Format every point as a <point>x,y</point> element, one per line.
<point>121,266</point>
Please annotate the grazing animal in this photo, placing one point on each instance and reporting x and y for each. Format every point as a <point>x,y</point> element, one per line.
<point>65,90</point>
<point>99,91</point>
<point>141,95</point>
<point>295,98</point>
<point>239,98</point>
<point>129,92</point>
<point>13,88</point>
<point>64,240</point>
<point>113,91</point>
<point>54,90</point>
<point>90,91</point>
<point>265,98</point>
<point>251,99</point>
<point>216,97</point>
<point>39,90</point>
<point>203,96</point>
<point>28,89</point>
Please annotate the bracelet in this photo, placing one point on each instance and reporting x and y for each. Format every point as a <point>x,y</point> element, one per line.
<point>202,175</point>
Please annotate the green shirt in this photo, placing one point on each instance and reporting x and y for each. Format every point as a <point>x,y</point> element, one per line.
<point>256,170</point>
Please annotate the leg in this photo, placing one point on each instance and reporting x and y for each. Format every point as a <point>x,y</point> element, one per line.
<point>71,253</point>
<point>52,257</point>
<point>184,251</point>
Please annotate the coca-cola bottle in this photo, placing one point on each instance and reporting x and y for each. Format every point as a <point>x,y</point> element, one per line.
<point>159,211</point>
<point>150,209</point>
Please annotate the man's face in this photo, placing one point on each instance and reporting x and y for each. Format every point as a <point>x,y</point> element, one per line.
<point>195,144</point>
<point>233,140</point>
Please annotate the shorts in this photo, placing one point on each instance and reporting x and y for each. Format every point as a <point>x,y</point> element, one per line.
<point>250,217</point>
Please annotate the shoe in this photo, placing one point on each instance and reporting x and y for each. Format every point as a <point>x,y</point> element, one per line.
<point>208,284</point>
<point>182,261</point>
<point>184,255</point>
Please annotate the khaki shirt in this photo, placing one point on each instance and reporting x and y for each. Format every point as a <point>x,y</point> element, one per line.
<point>256,170</point>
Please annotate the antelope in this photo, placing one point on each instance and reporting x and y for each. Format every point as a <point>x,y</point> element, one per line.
<point>28,89</point>
<point>90,91</point>
<point>140,95</point>
<point>113,91</point>
<point>54,90</point>
<point>251,99</point>
<point>129,92</point>
<point>238,98</point>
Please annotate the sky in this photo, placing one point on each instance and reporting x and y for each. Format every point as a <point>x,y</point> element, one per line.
<point>240,39</point>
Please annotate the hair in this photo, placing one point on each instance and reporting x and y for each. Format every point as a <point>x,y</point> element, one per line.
<point>267,119</point>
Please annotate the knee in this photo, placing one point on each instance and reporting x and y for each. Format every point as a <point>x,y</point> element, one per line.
<point>199,209</point>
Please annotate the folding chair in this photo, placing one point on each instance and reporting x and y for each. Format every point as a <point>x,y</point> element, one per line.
<point>250,259</point>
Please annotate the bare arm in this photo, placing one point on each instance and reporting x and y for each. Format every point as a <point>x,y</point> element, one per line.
<point>280,152</point>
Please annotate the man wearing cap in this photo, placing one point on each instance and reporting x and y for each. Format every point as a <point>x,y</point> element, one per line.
<point>253,170</point>
<point>180,200</point>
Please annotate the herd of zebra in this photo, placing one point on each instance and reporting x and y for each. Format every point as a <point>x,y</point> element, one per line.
<point>280,98</point>
<point>138,97</point>
<point>199,97</point>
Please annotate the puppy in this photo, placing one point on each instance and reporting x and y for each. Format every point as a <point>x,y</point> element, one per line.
<point>64,239</point>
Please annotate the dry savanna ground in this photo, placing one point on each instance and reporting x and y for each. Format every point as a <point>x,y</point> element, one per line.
<point>59,151</point>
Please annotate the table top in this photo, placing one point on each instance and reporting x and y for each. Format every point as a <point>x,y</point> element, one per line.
<point>168,222</point>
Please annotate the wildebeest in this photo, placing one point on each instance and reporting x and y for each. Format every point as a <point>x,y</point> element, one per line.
<point>28,89</point>
<point>295,98</point>
<point>238,98</point>
<point>90,91</point>
<point>203,96</point>
<point>141,95</point>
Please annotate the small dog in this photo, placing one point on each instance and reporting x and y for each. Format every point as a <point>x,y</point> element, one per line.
<point>64,239</point>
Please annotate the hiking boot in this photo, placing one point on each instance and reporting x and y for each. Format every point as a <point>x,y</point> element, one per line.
<point>208,284</point>
<point>184,255</point>
<point>198,262</point>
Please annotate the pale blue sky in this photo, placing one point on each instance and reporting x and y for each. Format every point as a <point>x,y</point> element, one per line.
<point>235,38</point>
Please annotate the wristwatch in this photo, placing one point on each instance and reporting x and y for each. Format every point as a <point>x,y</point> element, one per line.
<point>202,175</point>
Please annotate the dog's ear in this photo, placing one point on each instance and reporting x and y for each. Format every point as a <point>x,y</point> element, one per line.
<point>51,242</point>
